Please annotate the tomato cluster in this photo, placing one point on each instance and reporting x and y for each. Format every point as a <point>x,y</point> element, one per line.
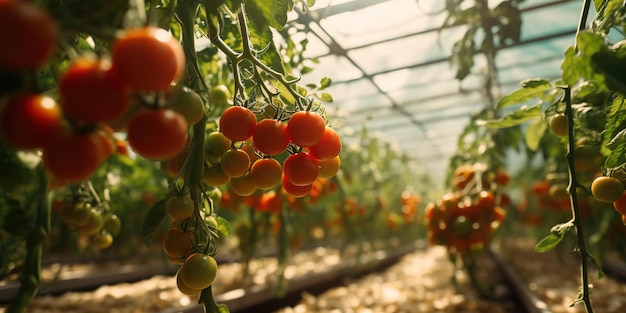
<point>88,218</point>
<point>463,220</point>
<point>245,152</point>
<point>98,96</point>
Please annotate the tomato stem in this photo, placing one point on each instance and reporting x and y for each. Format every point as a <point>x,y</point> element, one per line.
<point>30,278</point>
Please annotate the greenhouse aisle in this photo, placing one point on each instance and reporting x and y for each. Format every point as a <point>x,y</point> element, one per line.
<point>420,282</point>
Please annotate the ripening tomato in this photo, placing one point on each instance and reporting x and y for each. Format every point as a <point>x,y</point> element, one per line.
<point>179,207</point>
<point>558,124</point>
<point>301,169</point>
<point>330,167</point>
<point>270,137</point>
<point>328,147</point>
<point>237,123</point>
<point>91,92</point>
<point>157,134</point>
<point>30,121</point>
<point>187,102</point>
<point>219,95</point>
<point>178,243</point>
<point>607,189</point>
<point>243,185</point>
<point>306,128</point>
<point>28,35</point>
<point>215,144</point>
<point>74,156</point>
<point>235,163</point>
<point>214,176</point>
<point>198,271</point>
<point>266,173</point>
<point>148,58</point>
<point>182,287</point>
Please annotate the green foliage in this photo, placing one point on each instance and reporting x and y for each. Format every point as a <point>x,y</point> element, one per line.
<point>557,233</point>
<point>153,220</point>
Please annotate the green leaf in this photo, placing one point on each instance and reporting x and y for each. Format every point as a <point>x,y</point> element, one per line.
<point>548,243</point>
<point>612,67</point>
<point>590,43</point>
<point>531,89</point>
<point>569,67</point>
<point>261,36</point>
<point>534,133</point>
<point>152,221</point>
<point>597,265</point>
<point>325,83</point>
<point>535,83</point>
<point>557,233</point>
<point>326,97</point>
<point>223,226</point>
<point>617,141</point>
<point>268,12</point>
<point>515,118</point>
<point>616,158</point>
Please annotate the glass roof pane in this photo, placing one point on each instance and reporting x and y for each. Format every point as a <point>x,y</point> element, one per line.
<point>378,22</point>
<point>336,67</point>
<point>542,21</point>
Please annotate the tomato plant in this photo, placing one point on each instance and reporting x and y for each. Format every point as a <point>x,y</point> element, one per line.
<point>98,76</point>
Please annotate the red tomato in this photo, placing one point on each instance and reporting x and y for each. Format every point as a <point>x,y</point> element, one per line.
<point>328,147</point>
<point>266,173</point>
<point>306,128</point>
<point>30,121</point>
<point>237,123</point>
<point>148,58</point>
<point>295,191</point>
<point>270,137</point>
<point>28,35</point>
<point>620,204</point>
<point>91,92</point>
<point>107,142</point>
<point>301,169</point>
<point>157,134</point>
<point>74,157</point>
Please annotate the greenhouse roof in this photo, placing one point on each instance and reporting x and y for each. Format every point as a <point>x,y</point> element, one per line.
<point>389,64</point>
